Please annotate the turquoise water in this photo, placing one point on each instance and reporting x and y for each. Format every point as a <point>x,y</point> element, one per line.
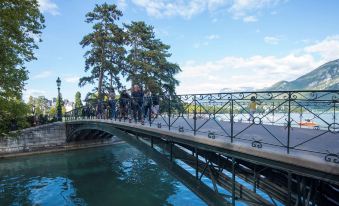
<point>114,175</point>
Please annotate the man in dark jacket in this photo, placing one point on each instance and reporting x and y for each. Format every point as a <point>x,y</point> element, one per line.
<point>137,103</point>
<point>124,102</point>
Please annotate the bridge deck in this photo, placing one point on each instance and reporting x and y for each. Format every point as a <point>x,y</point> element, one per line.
<point>268,154</point>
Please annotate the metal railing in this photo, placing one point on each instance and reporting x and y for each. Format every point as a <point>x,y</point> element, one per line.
<point>287,121</point>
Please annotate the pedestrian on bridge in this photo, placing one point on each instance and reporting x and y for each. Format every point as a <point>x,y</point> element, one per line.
<point>137,103</point>
<point>155,105</point>
<point>124,101</point>
<point>148,105</point>
<point>253,108</point>
<point>112,103</point>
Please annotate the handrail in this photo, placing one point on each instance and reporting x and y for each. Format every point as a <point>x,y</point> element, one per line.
<point>296,121</point>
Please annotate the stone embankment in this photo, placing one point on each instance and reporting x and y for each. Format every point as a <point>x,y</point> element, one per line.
<point>43,139</point>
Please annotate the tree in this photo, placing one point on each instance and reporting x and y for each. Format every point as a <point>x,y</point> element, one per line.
<point>107,52</point>
<point>20,24</point>
<point>52,112</point>
<point>147,62</point>
<point>40,105</point>
<point>78,102</point>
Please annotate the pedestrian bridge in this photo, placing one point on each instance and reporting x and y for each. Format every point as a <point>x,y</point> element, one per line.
<point>288,150</point>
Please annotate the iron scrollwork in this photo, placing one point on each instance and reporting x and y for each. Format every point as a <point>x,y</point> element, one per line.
<point>331,157</point>
<point>211,135</point>
<point>257,144</point>
<point>333,128</point>
<point>181,129</point>
<point>159,125</point>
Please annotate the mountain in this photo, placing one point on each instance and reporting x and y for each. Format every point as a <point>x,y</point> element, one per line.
<point>325,77</point>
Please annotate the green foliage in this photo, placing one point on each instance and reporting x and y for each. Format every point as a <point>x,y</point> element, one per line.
<point>52,112</point>
<point>147,62</point>
<point>78,102</point>
<point>13,115</point>
<point>20,24</point>
<point>40,105</point>
<point>107,52</point>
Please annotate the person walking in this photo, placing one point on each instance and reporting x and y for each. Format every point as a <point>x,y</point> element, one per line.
<point>124,101</point>
<point>137,103</point>
<point>112,104</point>
<point>155,105</point>
<point>148,105</point>
<point>253,108</point>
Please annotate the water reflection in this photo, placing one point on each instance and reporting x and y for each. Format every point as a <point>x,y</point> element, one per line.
<point>117,175</point>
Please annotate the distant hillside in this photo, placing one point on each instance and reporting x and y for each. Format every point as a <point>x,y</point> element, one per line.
<point>325,77</point>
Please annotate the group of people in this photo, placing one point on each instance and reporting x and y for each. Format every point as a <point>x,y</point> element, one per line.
<point>143,104</point>
<point>136,104</point>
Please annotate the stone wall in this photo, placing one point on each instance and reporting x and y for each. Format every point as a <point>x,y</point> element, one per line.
<point>34,139</point>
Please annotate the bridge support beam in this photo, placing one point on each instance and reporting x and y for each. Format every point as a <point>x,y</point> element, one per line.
<point>233,181</point>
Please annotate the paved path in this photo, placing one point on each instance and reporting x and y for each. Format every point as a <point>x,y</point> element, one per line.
<point>312,144</point>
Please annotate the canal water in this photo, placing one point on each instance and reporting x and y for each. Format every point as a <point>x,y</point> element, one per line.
<point>111,175</point>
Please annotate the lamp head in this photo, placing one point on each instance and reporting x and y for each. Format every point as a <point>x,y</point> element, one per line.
<point>58,81</point>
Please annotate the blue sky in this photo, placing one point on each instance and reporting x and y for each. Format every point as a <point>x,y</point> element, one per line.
<point>217,43</point>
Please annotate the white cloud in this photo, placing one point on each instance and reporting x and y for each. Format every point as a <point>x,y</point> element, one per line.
<point>248,19</point>
<point>122,4</point>
<point>236,72</point>
<point>47,6</point>
<point>213,37</point>
<point>72,79</point>
<point>255,71</point>
<point>33,93</point>
<point>43,74</point>
<point>272,40</point>
<point>242,8</point>
<point>327,48</point>
<point>239,9</point>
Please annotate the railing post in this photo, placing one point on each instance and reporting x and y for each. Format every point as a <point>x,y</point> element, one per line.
<point>231,118</point>
<point>169,112</point>
<point>233,181</point>
<point>195,115</point>
<point>273,114</point>
<point>289,123</point>
<point>289,188</point>
<point>196,164</point>
<point>334,118</point>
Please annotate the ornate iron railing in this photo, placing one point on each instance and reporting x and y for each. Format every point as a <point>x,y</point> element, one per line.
<point>293,122</point>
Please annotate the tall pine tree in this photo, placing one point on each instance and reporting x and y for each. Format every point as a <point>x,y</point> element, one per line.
<point>147,63</point>
<point>107,52</point>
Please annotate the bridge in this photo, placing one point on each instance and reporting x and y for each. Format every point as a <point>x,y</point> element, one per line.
<point>284,154</point>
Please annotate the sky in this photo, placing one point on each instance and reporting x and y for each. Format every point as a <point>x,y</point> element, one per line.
<point>234,44</point>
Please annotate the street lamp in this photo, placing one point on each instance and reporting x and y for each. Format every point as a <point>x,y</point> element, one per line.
<point>59,115</point>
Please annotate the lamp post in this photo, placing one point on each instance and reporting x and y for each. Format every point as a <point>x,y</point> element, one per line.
<point>59,114</point>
